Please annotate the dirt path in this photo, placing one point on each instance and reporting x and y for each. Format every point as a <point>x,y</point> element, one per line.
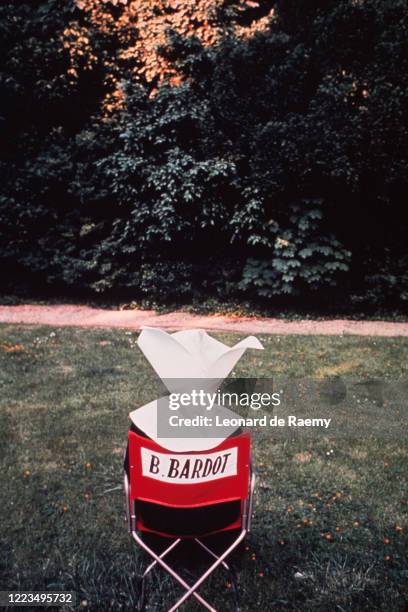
<point>85,316</point>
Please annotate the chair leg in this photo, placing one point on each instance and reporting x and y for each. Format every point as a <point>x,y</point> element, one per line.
<point>168,569</point>
<point>229,569</point>
<point>161,556</point>
<point>191,590</point>
<point>211,552</point>
<point>144,578</point>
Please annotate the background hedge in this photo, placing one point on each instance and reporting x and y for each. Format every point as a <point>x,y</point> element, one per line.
<point>180,150</point>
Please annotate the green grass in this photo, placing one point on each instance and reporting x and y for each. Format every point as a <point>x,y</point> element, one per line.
<point>65,396</point>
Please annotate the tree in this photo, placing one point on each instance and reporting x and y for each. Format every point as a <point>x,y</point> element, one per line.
<point>230,148</point>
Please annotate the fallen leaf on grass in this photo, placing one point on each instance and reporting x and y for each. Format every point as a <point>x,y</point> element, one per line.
<point>303,457</point>
<point>11,348</point>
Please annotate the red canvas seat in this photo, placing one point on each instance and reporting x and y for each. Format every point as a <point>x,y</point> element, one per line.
<point>188,495</point>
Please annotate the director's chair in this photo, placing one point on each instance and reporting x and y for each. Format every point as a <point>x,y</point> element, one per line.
<point>188,496</point>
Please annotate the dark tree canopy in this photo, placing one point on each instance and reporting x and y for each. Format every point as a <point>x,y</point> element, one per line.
<point>175,149</point>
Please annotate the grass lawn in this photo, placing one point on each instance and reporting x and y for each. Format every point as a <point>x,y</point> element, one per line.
<point>330,520</point>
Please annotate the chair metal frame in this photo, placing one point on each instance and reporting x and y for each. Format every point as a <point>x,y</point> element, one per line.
<point>159,559</point>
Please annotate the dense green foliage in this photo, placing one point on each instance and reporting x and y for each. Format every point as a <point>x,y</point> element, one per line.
<point>277,167</point>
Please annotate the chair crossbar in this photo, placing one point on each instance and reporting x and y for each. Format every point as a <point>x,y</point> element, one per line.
<point>209,571</point>
<point>162,555</point>
<point>159,560</point>
<point>212,553</point>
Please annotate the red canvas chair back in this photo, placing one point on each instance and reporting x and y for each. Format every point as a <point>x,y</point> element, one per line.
<point>188,480</point>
